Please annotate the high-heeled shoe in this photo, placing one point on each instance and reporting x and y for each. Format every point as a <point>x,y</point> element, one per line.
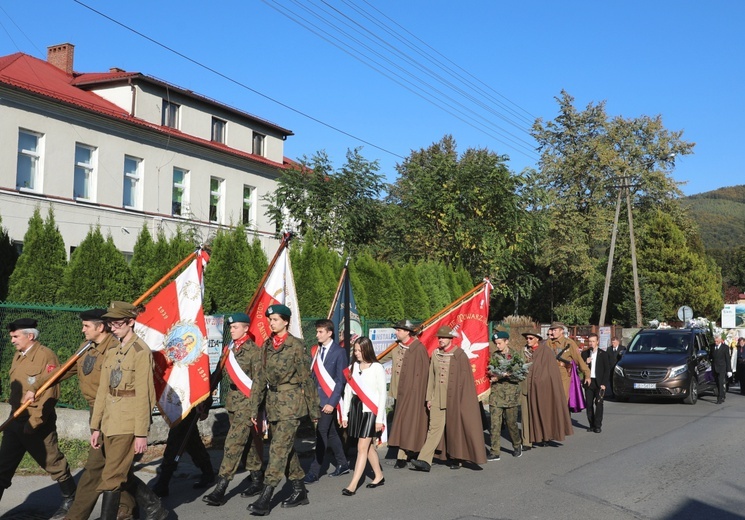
<point>376,484</point>
<point>348,493</point>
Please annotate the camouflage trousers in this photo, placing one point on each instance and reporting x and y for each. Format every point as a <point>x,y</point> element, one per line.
<point>241,432</point>
<point>282,457</point>
<point>508,415</point>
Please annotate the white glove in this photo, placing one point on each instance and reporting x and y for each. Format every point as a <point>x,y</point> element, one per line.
<point>729,374</point>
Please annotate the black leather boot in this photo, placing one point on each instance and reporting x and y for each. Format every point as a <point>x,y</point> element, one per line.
<point>148,502</point>
<point>216,497</point>
<point>67,488</point>
<point>208,475</point>
<point>256,485</point>
<point>164,480</point>
<point>263,505</point>
<point>299,495</point>
<point>110,505</point>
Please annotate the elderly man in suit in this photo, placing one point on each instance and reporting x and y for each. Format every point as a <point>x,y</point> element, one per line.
<point>614,353</point>
<point>595,390</point>
<point>720,365</point>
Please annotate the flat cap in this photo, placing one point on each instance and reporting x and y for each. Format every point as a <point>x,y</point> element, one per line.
<point>22,323</point>
<point>280,309</point>
<point>93,315</point>
<point>557,325</point>
<point>238,317</point>
<point>405,325</point>
<point>446,332</point>
<point>120,310</point>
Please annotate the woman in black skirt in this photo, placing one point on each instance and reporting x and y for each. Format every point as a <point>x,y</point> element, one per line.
<point>363,413</point>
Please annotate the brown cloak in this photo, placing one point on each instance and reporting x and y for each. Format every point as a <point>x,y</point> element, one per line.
<point>549,415</point>
<point>410,419</point>
<point>464,431</point>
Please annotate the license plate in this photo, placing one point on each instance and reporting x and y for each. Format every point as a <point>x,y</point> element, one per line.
<point>645,385</point>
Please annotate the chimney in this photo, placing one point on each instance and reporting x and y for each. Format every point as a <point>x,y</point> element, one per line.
<point>61,56</point>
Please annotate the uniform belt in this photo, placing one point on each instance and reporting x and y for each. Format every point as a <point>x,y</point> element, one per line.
<point>283,386</point>
<point>233,387</point>
<point>121,393</point>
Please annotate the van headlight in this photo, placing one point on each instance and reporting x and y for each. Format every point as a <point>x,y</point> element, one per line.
<point>676,371</point>
<point>618,370</point>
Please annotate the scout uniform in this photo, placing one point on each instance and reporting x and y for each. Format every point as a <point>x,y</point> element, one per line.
<point>568,350</point>
<point>504,400</point>
<point>285,381</point>
<point>34,431</point>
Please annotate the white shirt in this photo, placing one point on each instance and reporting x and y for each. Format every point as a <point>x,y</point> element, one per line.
<point>373,378</point>
<point>593,358</point>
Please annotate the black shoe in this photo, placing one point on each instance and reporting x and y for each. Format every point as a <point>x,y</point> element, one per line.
<point>348,493</point>
<point>490,455</point>
<point>373,485</point>
<point>400,464</point>
<point>148,502</point>
<point>310,478</point>
<point>518,452</point>
<point>527,448</point>
<point>598,430</point>
<point>454,464</point>
<point>299,496</point>
<point>539,444</point>
<point>218,494</point>
<point>256,485</point>
<point>263,505</point>
<point>420,465</point>
<point>340,470</point>
<point>590,429</point>
<point>67,488</point>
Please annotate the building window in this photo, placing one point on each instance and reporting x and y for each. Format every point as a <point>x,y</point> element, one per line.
<point>170,114</point>
<point>82,187</point>
<point>258,144</point>
<point>132,182</point>
<point>248,193</point>
<point>216,200</point>
<point>28,170</point>
<point>179,202</point>
<point>218,130</point>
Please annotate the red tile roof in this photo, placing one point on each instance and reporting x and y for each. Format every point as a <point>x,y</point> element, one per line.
<point>36,76</point>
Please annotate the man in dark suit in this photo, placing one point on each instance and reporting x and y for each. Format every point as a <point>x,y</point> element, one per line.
<point>329,361</point>
<point>595,390</point>
<point>720,365</point>
<point>614,353</point>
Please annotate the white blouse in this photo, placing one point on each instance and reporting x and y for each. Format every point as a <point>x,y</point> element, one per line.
<point>373,381</point>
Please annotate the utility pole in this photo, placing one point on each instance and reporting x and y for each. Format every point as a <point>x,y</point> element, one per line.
<point>637,293</point>
<point>609,270</point>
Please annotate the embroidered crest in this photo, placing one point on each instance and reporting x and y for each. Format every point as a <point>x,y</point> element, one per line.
<point>115,377</point>
<point>50,368</point>
<point>31,380</point>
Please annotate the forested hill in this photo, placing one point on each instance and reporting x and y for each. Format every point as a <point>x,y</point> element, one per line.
<point>720,215</point>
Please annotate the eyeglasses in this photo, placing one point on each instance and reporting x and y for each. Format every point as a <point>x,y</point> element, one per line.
<point>118,324</point>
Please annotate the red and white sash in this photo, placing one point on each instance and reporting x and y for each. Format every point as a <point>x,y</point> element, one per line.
<point>325,380</point>
<point>237,375</point>
<point>361,390</point>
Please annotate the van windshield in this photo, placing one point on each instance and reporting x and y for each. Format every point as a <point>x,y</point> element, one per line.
<point>668,343</point>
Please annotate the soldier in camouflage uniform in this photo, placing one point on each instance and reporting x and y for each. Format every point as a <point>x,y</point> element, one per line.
<point>504,399</point>
<point>248,357</point>
<point>285,381</point>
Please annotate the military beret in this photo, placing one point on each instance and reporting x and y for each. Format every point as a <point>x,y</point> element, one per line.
<point>238,317</point>
<point>280,309</point>
<point>557,325</point>
<point>93,315</point>
<point>22,323</point>
<point>446,332</point>
<point>121,310</point>
<point>404,325</point>
<point>500,334</point>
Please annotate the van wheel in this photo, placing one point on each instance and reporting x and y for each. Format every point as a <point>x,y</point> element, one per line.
<point>692,392</point>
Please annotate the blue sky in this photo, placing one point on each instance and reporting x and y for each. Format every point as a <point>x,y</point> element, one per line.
<point>680,59</point>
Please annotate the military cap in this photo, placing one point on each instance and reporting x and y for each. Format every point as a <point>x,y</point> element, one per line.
<point>405,325</point>
<point>22,323</point>
<point>446,332</point>
<point>238,317</point>
<point>535,333</point>
<point>93,315</point>
<point>280,309</point>
<point>500,334</point>
<point>121,310</point>
<point>557,325</point>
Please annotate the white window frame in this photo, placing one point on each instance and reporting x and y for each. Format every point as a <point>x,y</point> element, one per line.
<point>171,114</point>
<point>249,205</point>
<point>36,159</point>
<point>184,187</point>
<point>219,193</point>
<point>89,168</point>
<point>220,136</point>
<point>258,144</point>
<point>135,180</point>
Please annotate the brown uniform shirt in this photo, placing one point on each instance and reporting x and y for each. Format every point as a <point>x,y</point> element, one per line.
<point>572,353</point>
<point>437,383</point>
<point>25,370</point>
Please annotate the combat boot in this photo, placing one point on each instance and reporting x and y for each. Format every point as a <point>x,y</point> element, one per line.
<point>164,480</point>
<point>67,488</point>
<point>110,505</point>
<point>256,485</point>
<point>263,505</point>
<point>216,497</point>
<point>148,502</point>
<point>299,495</point>
<point>208,475</point>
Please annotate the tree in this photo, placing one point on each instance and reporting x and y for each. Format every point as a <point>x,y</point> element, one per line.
<point>230,278</point>
<point>8,259</point>
<point>38,272</point>
<point>415,301</point>
<point>382,297</point>
<point>433,278</point>
<point>143,260</point>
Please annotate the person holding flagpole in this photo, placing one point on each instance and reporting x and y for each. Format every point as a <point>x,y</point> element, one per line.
<point>327,369</point>
<point>244,361</point>
<point>285,382</point>
<point>363,411</point>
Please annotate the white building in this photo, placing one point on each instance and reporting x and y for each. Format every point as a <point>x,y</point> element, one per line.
<point>121,149</point>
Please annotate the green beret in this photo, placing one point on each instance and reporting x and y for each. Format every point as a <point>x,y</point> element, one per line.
<point>238,317</point>
<point>121,310</point>
<point>500,334</point>
<point>283,310</point>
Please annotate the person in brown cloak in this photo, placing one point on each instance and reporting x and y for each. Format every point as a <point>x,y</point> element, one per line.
<point>455,427</point>
<point>549,415</point>
<point>408,387</point>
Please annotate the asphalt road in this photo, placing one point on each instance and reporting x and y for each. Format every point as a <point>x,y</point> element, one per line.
<point>654,460</point>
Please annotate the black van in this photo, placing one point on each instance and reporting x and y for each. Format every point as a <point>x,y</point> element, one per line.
<point>671,363</point>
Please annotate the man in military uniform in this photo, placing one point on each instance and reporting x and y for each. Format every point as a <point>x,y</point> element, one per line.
<point>35,430</point>
<point>566,351</point>
<point>121,419</point>
<point>247,356</point>
<point>408,387</point>
<point>504,398</point>
<point>88,369</point>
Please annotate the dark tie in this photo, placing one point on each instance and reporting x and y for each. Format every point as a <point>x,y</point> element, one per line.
<point>323,352</point>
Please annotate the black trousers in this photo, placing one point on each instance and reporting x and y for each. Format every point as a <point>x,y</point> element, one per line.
<point>194,447</point>
<point>721,379</point>
<point>594,404</point>
<point>327,436</point>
